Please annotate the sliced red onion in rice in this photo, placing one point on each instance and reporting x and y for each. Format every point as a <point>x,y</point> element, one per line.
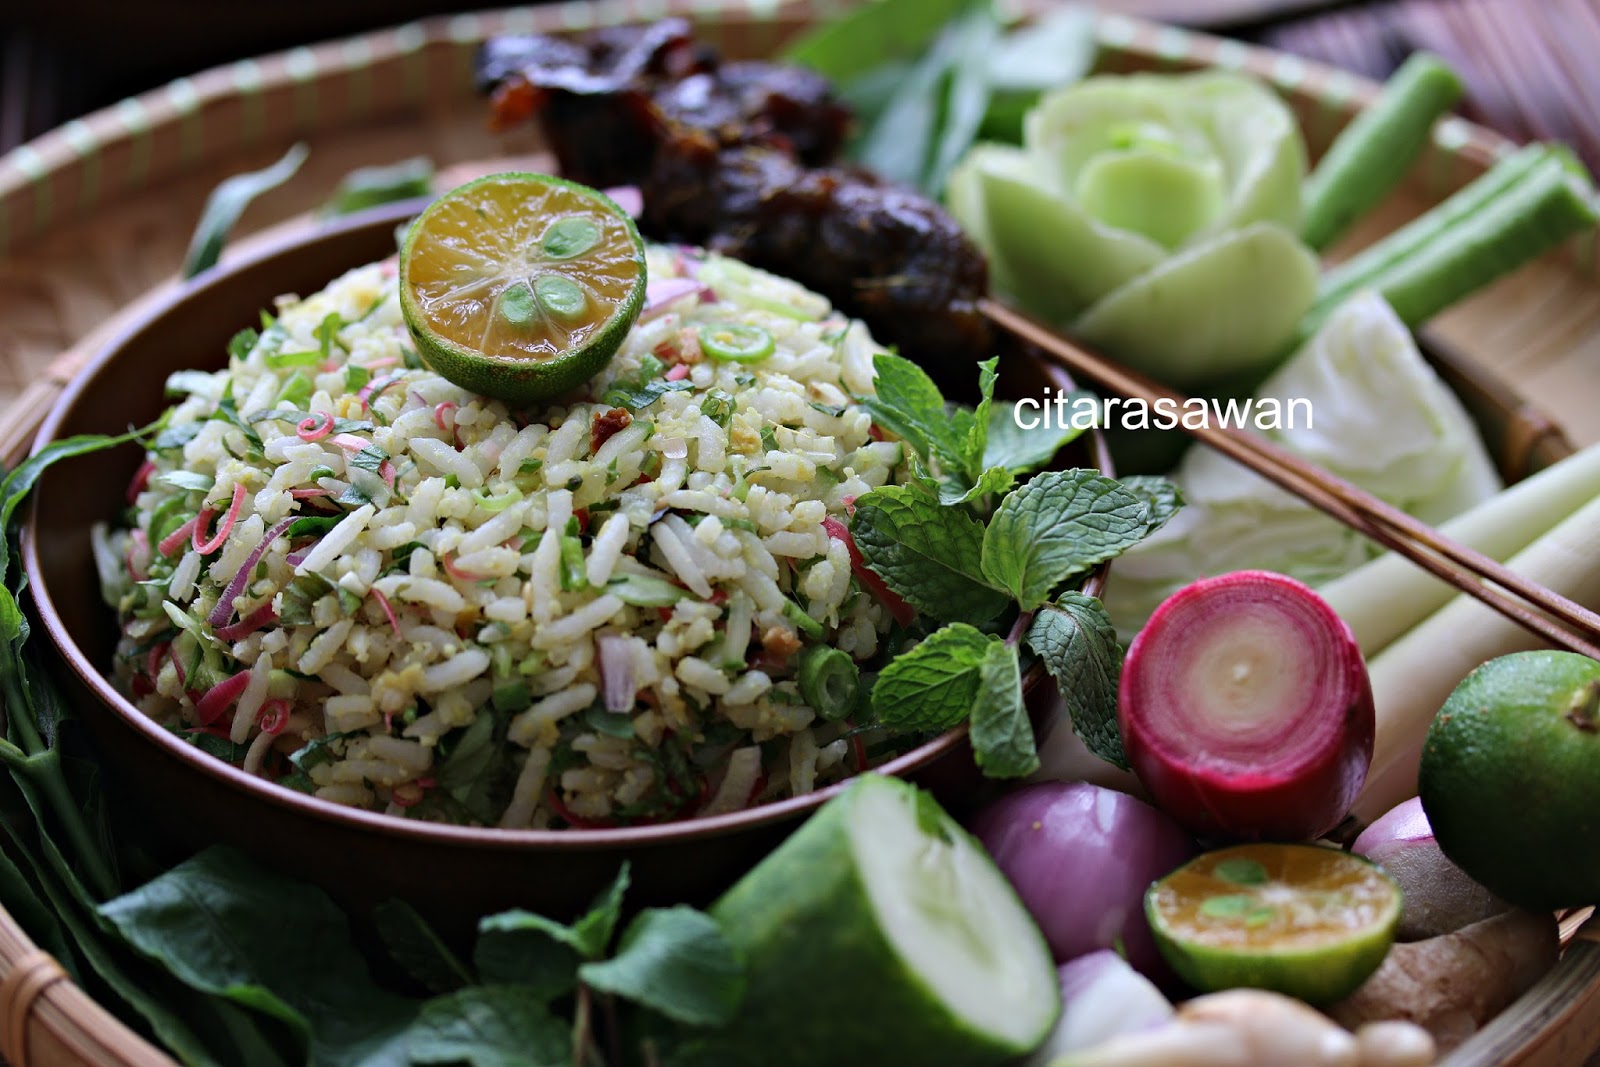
<point>739,781</point>
<point>660,293</point>
<point>619,685</point>
<point>628,198</point>
<point>224,610</point>
<point>262,616</point>
<point>211,707</point>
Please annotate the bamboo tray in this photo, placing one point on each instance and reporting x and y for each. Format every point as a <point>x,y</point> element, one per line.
<point>94,219</point>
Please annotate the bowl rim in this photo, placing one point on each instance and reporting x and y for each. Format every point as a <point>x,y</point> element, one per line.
<point>197,289</point>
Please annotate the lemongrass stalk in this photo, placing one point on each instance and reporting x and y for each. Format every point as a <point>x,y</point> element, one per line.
<point>1384,598</point>
<point>1412,677</point>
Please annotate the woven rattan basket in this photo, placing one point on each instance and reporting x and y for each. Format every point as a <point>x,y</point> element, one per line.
<point>94,219</point>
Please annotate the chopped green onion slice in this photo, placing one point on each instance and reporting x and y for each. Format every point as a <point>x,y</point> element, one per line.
<point>497,503</point>
<point>574,575</point>
<point>511,696</point>
<point>803,622</point>
<point>828,681</point>
<point>729,341</point>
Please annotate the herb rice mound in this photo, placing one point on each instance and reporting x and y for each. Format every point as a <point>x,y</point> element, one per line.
<point>348,575</point>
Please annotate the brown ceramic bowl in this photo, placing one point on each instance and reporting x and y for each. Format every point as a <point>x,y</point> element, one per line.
<point>191,799</point>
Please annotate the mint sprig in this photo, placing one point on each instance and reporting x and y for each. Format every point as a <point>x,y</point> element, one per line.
<point>927,543</point>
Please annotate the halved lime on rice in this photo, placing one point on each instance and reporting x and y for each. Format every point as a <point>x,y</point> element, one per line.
<point>1304,920</point>
<point>521,286</point>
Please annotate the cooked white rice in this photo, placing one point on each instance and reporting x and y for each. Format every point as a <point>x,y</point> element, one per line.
<point>520,683</point>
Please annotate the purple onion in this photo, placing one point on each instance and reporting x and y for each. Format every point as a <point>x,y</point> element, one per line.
<point>1081,857</point>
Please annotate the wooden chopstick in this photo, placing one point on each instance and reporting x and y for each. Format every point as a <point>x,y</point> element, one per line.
<point>1454,563</point>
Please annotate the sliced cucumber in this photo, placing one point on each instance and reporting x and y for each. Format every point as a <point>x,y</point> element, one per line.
<point>1225,308</point>
<point>1045,250</point>
<point>881,933</point>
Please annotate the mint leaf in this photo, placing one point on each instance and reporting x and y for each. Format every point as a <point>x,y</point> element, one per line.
<point>527,950</point>
<point>1161,498</point>
<point>489,1026</point>
<point>1059,524</point>
<point>930,555</point>
<point>240,344</point>
<point>1075,639</point>
<point>911,407</point>
<point>592,932</point>
<point>974,425</point>
<point>187,480</point>
<point>203,923</point>
<point>370,459</point>
<point>932,686</point>
<point>414,945</point>
<point>995,480</point>
<point>1002,736</point>
<point>522,948</point>
<point>1009,445</point>
<point>676,961</point>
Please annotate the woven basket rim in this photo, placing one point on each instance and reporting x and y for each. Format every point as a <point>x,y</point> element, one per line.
<point>32,181</point>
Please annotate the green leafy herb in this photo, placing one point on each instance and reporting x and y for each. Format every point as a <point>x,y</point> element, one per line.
<point>469,756</point>
<point>676,961</point>
<point>296,391</point>
<point>932,687</point>
<point>419,951</point>
<point>203,922</point>
<point>173,437</point>
<point>609,723</point>
<point>327,333</point>
<point>367,187</point>
<point>911,407</point>
<point>285,360</point>
<point>518,948</point>
<point>1002,737</point>
<point>1161,499</point>
<point>872,35</point>
<point>370,459</point>
<point>931,556</point>
<point>490,1026</point>
<point>240,344</point>
<point>1078,644</point>
<point>188,480</point>
<point>1059,524</point>
<point>228,201</point>
<point>1022,451</point>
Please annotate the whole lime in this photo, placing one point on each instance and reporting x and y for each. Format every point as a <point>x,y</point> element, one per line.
<point>1510,778</point>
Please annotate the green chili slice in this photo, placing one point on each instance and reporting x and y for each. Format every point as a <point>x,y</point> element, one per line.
<point>736,341</point>
<point>828,681</point>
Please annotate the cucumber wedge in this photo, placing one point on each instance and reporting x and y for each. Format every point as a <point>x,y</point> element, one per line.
<point>881,933</point>
<point>1217,310</point>
<point>1043,248</point>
